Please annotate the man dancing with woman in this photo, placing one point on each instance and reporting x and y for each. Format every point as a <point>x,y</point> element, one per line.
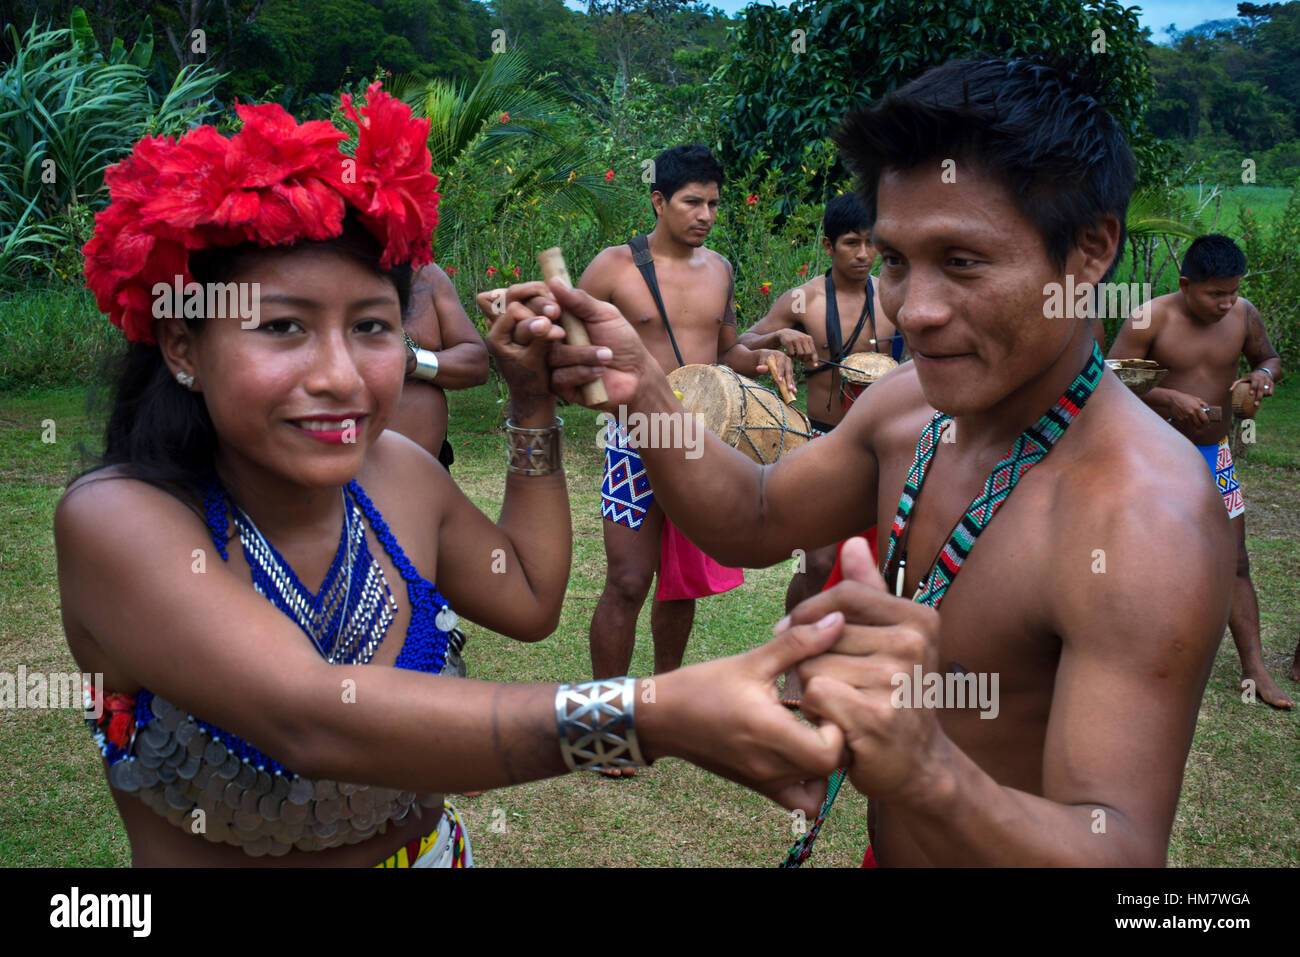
<point>235,566</point>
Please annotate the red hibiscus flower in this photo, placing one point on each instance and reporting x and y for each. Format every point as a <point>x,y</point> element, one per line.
<point>275,182</point>
<point>394,190</point>
<point>803,270</point>
<point>491,270</point>
<point>504,117</point>
<point>516,272</point>
<point>752,199</point>
<point>450,270</point>
<point>766,288</point>
<point>609,175</point>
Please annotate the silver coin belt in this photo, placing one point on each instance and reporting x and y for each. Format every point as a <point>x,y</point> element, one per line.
<point>178,770</point>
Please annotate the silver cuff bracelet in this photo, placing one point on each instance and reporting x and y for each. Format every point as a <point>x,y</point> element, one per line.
<point>595,725</point>
<point>426,365</point>
<point>534,451</point>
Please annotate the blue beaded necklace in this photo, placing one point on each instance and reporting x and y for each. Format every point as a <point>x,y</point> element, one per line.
<point>348,618</point>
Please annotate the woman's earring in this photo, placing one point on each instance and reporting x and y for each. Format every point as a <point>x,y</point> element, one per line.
<point>185,379</point>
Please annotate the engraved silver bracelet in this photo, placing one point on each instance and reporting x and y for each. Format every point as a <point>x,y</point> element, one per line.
<point>534,451</point>
<point>595,725</point>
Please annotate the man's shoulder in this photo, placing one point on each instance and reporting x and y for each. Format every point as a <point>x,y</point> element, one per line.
<point>1162,308</point>
<point>606,270</point>
<point>1132,479</point>
<point>613,257</point>
<point>893,411</point>
<point>1248,310</point>
<point>715,260</point>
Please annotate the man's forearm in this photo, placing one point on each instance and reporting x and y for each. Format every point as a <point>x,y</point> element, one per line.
<point>463,366</point>
<point>1272,366</point>
<point>761,340</point>
<point>965,818</point>
<point>711,492</point>
<point>1159,400</point>
<point>743,359</point>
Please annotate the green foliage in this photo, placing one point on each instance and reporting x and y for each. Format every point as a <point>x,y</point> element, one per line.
<point>551,34</point>
<point>770,232</point>
<point>66,112</point>
<point>1272,282</point>
<point>518,122</point>
<point>793,87</point>
<point>298,49</point>
<point>52,334</point>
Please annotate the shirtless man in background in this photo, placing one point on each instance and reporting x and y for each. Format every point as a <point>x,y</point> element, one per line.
<point>696,286</point>
<point>1199,334</point>
<point>797,325</point>
<point>437,321</point>
<point>1098,613</point>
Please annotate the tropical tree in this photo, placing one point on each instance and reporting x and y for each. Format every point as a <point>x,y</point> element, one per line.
<point>514,119</point>
<point>797,70</point>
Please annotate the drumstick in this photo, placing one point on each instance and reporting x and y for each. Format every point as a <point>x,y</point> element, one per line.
<point>575,332</point>
<point>786,397</point>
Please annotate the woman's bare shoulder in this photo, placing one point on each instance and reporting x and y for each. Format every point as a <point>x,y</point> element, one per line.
<point>112,494</point>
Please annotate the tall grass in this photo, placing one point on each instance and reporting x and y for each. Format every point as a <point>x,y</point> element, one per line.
<point>52,334</point>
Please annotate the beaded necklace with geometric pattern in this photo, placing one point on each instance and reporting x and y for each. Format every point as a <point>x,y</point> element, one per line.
<point>348,618</point>
<point>1030,448</point>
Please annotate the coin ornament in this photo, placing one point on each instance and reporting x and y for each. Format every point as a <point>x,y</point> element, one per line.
<point>174,764</point>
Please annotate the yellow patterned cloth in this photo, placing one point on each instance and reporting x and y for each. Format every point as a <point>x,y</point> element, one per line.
<point>446,846</point>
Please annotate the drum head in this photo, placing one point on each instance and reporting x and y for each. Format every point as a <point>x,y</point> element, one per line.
<point>747,416</point>
<point>711,392</point>
<point>866,367</point>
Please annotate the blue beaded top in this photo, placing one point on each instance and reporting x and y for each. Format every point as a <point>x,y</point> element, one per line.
<point>424,649</point>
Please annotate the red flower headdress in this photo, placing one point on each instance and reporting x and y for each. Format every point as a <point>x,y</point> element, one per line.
<point>274,182</point>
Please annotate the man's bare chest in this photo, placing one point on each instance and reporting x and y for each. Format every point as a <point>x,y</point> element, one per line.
<point>694,303</point>
<point>995,612</point>
<point>1185,346</point>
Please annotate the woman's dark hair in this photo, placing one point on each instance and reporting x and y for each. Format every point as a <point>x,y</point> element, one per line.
<point>160,430</point>
<point>1213,256</point>
<point>1037,127</point>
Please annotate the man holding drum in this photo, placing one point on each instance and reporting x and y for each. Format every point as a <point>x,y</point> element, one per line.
<point>1199,334</point>
<point>816,321</point>
<point>1096,614</point>
<point>678,295</point>
<point>797,323</point>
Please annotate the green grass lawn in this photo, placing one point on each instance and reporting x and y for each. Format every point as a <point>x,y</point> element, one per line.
<point>1268,203</point>
<point>1240,792</point>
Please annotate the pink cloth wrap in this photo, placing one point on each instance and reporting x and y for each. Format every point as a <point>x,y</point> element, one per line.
<point>686,572</point>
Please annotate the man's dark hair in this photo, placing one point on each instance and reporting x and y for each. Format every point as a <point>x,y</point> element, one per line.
<point>1034,126</point>
<point>691,163</point>
<point>1213,256</point>
<point>844,214</point>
